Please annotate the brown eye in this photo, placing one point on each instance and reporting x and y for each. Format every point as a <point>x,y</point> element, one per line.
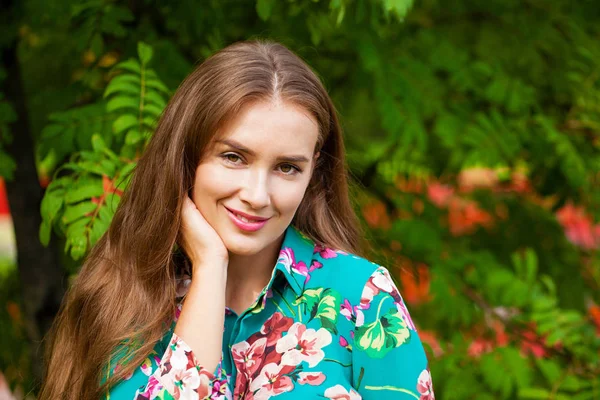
<point>289,169</point>
<point>231,158</point>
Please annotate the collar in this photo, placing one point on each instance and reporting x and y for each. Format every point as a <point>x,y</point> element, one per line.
<point>295,257</point>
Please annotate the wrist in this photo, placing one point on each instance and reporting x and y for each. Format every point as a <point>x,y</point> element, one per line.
<point>212,266</point>
<point>206,260</point>
<point>209,280</point>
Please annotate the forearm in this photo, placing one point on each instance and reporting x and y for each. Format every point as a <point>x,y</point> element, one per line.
<point>201,321</point>
<point>188,366</point>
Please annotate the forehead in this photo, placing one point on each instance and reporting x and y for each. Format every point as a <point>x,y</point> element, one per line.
<point>268,127</point>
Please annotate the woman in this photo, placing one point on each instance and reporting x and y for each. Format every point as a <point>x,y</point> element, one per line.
<point>243,187</point>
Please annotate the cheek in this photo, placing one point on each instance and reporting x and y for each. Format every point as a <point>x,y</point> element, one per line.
<point>289,196</point>
<point>210,184</point>
<point>213,183</point>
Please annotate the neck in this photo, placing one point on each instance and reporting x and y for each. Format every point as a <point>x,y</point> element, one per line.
<point>247,275</point>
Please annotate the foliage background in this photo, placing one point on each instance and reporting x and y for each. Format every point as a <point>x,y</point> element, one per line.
<point>473,136</point>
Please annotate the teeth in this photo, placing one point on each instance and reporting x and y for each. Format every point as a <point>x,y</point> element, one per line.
<point>244,219</point>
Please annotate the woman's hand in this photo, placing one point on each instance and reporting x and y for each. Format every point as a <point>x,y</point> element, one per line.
<point>200,323</point>
<point>198,239</point>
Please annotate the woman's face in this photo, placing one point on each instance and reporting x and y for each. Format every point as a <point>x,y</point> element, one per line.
<point>260,165</point>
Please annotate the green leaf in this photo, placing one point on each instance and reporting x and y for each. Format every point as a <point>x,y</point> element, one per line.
<point>99,227</point>
<point>328,309</point>
<point>71,131</point>
<point>7,166</point>
<point>144,53</point>
<point>125,78</point>
<point>131,65</point>
<point>75,212</point>
<point>98,143</point>
<point>51,204</point>
<point>133,136</point>
<point>155,98</point>
<point>396,329</point>
<point>572,383</point>
<point>534,393</point>
<point>548,284</point>
<point>79,227</point>
<point>120,13</point>
<point>383,335</point>
<point>97,44</point>
<point>531,263</point>
<point>124,122</point>
<point>127,170</point>
<point>557,335</point>
<point>397,7</point>
<point>264,8</point>
<point>153,110</point>
<point>108,168</point>
<point>109,24</point>
<point>123,102</point>
<point>544,303</point>
<point>77,9</point>
<point>340,7</point>
<point>105,214</point>
<point>310,298</point>
<point>45,231</point>
<point>101,168</point>
<point>122,88</point>
<point>149,122</point>
<point>90,156</point>
<point>328,305</point>
<point>91,188</point>
<point>323,304</point>
<point>78,246</point>
<point>77,237</point>
<point>158,85</point>
<point>112,202</point>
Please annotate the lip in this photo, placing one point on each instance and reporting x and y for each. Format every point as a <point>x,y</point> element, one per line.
<point>250,217</point>
<point>255,222</point>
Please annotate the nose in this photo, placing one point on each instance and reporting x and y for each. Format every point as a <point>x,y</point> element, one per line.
<point>255,190</point>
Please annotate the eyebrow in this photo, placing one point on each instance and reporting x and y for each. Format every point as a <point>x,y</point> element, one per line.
<point>243,149</point>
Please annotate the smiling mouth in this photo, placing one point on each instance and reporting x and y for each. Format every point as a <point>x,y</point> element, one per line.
<point>243,219</point>
<point>246,223</point>
<point>246,217</point>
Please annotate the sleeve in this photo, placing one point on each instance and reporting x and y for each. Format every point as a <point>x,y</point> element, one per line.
<point>177,375</point>
<point>389,361</point>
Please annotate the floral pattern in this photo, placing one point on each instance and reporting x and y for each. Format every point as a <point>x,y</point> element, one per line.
<point>425,386</point>
<point>302,344</point>
<point>338,392</point>
<point>328,325</point>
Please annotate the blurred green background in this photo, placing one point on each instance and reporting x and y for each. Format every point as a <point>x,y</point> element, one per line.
<point>473,138</point>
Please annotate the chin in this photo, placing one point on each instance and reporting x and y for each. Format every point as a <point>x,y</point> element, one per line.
<point>244,246</point>
<point>243,251</point>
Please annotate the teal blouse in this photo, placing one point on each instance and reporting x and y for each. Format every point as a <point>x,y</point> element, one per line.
<point>328,325</point>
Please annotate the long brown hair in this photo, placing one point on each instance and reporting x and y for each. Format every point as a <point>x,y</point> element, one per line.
<point>125,291</point>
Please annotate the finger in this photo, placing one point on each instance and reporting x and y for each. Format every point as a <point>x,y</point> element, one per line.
<point>188,203</point>
<point>191,215</point>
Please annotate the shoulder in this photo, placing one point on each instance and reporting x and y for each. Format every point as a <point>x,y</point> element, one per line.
<point>335,259</point>
<point>312,265</point>
<point>348,273</point>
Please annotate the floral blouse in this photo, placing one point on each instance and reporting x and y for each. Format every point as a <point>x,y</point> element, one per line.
<point>328,325</point>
